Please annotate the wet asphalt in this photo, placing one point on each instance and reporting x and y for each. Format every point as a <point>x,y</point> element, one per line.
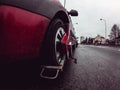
<point>97,68</point>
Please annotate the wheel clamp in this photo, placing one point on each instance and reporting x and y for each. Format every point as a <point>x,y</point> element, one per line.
<point>56,68</point>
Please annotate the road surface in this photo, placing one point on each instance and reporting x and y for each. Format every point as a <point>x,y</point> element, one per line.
<point>97,68</point>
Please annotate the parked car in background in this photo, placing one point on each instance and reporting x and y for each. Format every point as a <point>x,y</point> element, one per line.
<point>34,30</point>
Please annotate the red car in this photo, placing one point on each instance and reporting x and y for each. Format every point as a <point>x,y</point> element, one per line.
<point>34,30</point>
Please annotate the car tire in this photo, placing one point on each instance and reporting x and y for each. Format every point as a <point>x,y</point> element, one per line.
<point>54,50</point>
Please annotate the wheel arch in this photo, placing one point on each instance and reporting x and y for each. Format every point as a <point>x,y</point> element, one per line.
<point>63,16</point>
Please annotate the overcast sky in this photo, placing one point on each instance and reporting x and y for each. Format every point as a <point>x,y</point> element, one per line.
<point>90,12</point>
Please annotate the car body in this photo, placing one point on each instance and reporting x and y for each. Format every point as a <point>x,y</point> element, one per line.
<point>27,30</point>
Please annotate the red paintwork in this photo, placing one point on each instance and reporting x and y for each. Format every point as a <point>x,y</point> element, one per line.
<point>21,32</point>
<point>64,39</point>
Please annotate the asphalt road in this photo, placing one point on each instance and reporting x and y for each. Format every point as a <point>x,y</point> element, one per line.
<point>97,68</point>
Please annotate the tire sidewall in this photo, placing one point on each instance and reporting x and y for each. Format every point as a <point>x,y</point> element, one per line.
<point>50,42</point>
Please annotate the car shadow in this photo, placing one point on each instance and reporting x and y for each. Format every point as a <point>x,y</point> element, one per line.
<point>25,78</point>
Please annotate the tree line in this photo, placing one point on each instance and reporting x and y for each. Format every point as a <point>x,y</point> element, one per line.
<point>115,35</point>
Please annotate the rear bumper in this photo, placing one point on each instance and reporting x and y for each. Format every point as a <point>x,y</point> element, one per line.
<point>21,33</point>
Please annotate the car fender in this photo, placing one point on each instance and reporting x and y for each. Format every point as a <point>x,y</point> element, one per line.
<point>47,8</point>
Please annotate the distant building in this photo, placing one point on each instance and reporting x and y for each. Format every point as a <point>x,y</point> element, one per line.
<point>99,40</point>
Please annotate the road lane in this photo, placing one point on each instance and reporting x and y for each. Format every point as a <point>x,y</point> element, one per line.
<point>102,67</point>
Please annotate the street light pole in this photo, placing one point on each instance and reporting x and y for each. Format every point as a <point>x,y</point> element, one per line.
<point>64,3</point>
<point>105,27</point>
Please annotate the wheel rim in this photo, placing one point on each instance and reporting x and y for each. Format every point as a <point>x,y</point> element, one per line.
<point>58,45</point>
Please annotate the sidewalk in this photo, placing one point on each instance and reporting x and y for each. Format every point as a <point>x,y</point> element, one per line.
<point>113,46</point>
<point>117,48</point>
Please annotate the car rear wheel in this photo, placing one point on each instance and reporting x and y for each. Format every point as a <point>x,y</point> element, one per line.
<point>54,48</point>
